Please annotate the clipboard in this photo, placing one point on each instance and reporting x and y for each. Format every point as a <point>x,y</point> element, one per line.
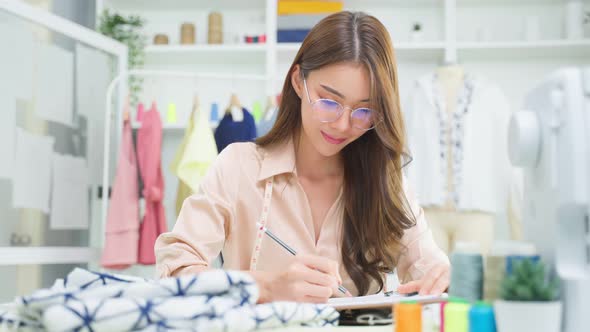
<point>381,300</point>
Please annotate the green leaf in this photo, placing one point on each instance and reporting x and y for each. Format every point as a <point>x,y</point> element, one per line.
<point>529,281</point>
<point>126,30</point>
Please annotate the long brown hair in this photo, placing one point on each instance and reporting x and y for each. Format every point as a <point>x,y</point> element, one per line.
<point>376,211</point>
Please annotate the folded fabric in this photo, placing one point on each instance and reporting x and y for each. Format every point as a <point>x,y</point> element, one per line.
<point>286,7</point>
<point>299,21</point>
<point>291,35</point>
<point>215,300</point>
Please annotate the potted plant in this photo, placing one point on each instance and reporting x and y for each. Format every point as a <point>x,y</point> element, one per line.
<point>127,30</point>
<point>529,299</point>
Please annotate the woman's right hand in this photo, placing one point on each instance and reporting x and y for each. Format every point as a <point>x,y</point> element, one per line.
<point>308,279</point>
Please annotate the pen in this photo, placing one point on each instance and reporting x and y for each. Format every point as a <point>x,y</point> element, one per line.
<point>291,250</point>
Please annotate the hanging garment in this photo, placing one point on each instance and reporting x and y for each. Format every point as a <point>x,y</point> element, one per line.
<point>230,131</point>
<point>121,238</point>
<point>214,300</point>
<point>194,156</point>
<point>149,147</point>
<point>481,169</point>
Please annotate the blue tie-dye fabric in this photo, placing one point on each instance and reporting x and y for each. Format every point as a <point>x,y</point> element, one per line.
<point>215,300</point>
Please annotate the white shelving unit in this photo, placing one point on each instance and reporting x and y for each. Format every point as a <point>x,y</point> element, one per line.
<point>485,36</point>
<point>544,49</point>
<point>204,48</point>
<point>48,255</point>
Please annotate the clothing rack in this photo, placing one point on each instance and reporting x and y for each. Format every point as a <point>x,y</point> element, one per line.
<point>109,115</point>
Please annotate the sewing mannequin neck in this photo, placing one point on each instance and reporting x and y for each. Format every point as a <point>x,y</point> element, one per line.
<point>450,80</point>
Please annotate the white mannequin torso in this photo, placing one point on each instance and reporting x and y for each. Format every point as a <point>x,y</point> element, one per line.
<point>450,79</point>
<point>448,224</point>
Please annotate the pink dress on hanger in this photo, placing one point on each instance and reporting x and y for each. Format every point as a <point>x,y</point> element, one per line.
<point>149,146</point>
<point>121,238</point>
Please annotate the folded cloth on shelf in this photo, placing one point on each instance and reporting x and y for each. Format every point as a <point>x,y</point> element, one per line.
<point>215,300</point>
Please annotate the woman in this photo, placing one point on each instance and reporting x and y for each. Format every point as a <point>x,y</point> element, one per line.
<point>327,180</point>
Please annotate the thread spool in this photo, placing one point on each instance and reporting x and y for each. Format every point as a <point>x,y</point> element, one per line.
<point>467,272</point>
<point>215,31</point>
<point>456,317</point>
<point>187,34</point>
<point>160,39</point>
<point>494,272</point>
<point>442,316</point>
<point>408,317</point>
<point>481,318</point>
<point>511,259</point>
<point>430,317</point>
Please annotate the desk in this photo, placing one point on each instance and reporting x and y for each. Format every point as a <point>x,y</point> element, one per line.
<point>380,328</point>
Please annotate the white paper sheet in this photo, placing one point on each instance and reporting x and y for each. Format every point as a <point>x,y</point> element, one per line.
<point>69,194</point>
<point>93,73</point>
<point>32,171</point>
<point>380,300</point>
<point>55,85</point>
<point>7,133</point>
<point>17,64</point>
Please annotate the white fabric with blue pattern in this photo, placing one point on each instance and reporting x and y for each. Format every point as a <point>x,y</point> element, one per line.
<point>214,300</point>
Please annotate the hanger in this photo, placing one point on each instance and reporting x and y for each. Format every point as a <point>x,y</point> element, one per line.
<point>234,101</point>
<point>196,107</point>
<point>235,108</point>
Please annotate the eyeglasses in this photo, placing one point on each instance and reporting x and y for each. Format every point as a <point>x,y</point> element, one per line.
<point>328,110</point>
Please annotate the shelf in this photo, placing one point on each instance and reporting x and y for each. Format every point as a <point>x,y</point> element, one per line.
<point>47,255</point>
<point>359,4</point>
<point>523,49</point>
<point>204,48</point>
<point>183,4</point>
<point>403,50</point>
<point>508,2</point>
<point>206,54</point>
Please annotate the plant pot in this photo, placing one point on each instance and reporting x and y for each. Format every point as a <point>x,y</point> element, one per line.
<point>517,316</point>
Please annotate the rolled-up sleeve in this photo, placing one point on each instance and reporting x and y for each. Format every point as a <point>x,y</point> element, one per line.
<point>420,253</point>
<point>203,222</point>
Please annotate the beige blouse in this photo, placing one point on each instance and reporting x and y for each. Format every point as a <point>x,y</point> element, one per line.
<point>222,217</point>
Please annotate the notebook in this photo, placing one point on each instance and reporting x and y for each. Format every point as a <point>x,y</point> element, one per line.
<point>380,300</point>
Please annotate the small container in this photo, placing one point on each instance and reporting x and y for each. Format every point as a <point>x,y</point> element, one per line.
<point>408,317</point>
<point>160,39</point>
<point>215,32</point>
<point>481,318</point>
<point>187,34</point>
<point>574,19</point>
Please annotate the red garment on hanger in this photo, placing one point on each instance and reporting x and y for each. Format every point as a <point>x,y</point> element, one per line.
<point>149,147</point>
<point>121,233</point>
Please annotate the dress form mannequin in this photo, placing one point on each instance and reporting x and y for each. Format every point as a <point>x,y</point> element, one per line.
<point>450,225</point>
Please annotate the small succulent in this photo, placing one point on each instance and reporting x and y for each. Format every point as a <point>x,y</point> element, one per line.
<point>529,281</point>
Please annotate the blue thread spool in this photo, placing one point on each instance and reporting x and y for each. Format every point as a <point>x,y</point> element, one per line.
<point>481,318</point>
<point>511,259</point>
<point>467,272</point>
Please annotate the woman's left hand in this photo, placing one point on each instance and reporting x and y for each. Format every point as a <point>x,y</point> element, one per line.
<point>434,282</point>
